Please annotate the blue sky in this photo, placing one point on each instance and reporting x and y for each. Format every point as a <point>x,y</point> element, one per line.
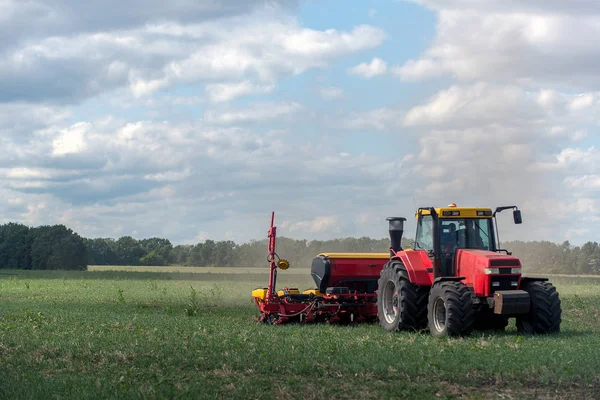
<point>194,120</point>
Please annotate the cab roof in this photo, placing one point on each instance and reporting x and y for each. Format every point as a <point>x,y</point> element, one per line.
<point>452,211</point>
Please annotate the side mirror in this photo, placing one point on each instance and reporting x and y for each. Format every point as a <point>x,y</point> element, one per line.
<point>517,217</point>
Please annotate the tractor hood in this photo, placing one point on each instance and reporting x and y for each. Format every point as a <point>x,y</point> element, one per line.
<point>489,258</point>
<point>479,266</point>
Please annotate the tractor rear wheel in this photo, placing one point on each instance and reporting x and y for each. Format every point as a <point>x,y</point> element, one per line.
<point>450,309</point>
<point>400,304</point>
<point>544,313</point>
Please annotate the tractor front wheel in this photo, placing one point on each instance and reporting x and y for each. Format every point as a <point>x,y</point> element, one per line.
<point>450,309</point>
<point>544,311</point>
<point>400,304</point>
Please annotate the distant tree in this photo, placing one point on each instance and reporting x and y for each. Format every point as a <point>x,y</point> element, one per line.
<point>224,253</point>
<point>157,251</point>
<point>588,260</point>
<point>195,256</point>
<point>129,251</point>
<point>56,247</point>
<point>208,252</point>
<point>179,254</point>
<point>153,258</point>
<point>101,251</point>
<point>15,246</point>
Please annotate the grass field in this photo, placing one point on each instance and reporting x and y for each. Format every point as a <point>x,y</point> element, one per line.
<point>190,333</point>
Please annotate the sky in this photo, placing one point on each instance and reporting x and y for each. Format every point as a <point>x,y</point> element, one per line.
<point>194,119</point>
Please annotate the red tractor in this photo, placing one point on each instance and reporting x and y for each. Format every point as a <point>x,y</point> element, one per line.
<point>457,278</point>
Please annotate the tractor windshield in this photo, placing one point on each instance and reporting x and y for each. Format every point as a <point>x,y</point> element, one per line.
<point>466,233</point>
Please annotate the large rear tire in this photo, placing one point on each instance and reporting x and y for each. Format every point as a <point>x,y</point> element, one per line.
<point>400,304</point>
<point>450,309</point>
<point>544,313</point>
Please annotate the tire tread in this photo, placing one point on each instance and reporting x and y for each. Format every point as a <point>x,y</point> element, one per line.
<point>545,313</point>
<point>460,315</point>
<point>413,299</point>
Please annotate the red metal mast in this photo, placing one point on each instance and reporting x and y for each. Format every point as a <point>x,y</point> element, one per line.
<point>271,258</point>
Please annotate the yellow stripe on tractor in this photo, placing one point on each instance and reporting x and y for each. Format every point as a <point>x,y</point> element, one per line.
<point>382,256</point>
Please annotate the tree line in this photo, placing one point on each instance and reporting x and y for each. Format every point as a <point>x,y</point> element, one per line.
<point>43,247</point>
<point>57,247</point>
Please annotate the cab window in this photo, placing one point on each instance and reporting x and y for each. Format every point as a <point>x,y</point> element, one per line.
<point>465,233</point>
<point>449,236</point>
<point>424,239</point>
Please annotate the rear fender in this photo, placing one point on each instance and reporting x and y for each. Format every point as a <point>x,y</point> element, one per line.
<point>448,278</point>
<point>416,266</point>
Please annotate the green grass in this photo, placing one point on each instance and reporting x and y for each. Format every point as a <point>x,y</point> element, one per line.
<point>144,334</point>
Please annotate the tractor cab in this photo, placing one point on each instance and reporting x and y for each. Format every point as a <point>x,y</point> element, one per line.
<point>443,231</point>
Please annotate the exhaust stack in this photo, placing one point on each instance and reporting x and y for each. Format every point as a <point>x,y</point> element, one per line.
<point>396,230</point>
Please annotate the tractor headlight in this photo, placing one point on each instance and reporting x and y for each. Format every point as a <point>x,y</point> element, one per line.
<point>503,271</point>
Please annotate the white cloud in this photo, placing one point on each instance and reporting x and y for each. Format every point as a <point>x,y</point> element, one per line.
<point>35,212</point>
<point>325,43</point>
<point>573,160</point>
<point>26,173</point>
<point>264,50</point>
<point>257,112</point>
<point>582,102</point>
<point>576,7</point>
<point>476,104</point>
<point>22,119</point>
<point>366,217</point>
<point>576,233</point>
<point>531,43</point>
<point>330,93</point>
<point>518,126</point>
<point>578,135</point>
<point>169,176</point>
<point>224,92</point>
<point>141,88</point>
<point>128,176</point>
<point>482,104</point>
<point>25,20</point>
<point>261,46</point>
<point>487,144</point>
<point>71,140</point>
<point>201,237</point>
<point>380,119</point>
<point>376,67</point>
<point>201,177</point>
<point>585,182</point>
<point>319,224</point>
<point>417,70</point>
